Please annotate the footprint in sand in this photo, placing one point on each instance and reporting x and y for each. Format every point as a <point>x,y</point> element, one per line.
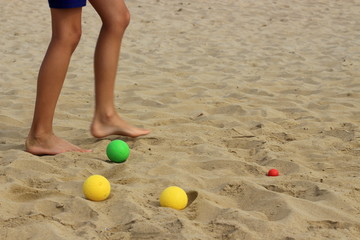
<point>253,199</point>
<point>303,190</point>
<point>22,193</point>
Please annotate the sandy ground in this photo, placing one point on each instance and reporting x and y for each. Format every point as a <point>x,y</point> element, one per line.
<point>229,88</point>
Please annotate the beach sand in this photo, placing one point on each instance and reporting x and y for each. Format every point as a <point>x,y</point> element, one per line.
<point>230,89</point>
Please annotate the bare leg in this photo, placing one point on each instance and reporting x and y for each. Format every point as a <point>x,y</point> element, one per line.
<point>115,17</point>
<point>66,28</point>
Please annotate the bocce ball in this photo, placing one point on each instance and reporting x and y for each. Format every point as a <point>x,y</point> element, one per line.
<point>117,151</point>
<point>96,188</point>
<point>174,197</point>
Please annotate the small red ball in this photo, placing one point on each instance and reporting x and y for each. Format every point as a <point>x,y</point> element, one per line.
<point>273,173</point>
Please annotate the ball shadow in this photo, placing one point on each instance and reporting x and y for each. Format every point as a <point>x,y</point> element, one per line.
<point>192,195</point>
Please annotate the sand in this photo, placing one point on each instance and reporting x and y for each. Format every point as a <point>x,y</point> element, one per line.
<point>229,88</point>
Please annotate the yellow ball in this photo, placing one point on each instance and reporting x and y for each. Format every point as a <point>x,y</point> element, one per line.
<point>174,197</point>
<point>96,188</point>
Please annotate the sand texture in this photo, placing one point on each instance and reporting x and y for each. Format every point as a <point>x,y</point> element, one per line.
<point>229,88</point>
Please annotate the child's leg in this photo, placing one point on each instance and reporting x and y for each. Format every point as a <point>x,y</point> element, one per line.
<point>66,28</point>
<point>115,17</point>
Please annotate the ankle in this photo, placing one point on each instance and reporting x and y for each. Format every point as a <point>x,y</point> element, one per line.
<point>105,116</point>
<point>39,135</point>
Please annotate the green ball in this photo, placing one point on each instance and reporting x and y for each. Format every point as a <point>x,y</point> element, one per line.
<point>118,151</point>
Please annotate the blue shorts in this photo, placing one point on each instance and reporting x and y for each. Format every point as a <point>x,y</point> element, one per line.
<point>66,3</point>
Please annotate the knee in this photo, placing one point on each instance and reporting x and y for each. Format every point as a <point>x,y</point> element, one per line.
<point>118,23</point>
<point>69,39</point>
<point>127,18</point>
<point>123,19</point>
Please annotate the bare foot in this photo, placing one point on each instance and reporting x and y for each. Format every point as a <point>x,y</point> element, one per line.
<point>114,125</point>
<point>50,145</point>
